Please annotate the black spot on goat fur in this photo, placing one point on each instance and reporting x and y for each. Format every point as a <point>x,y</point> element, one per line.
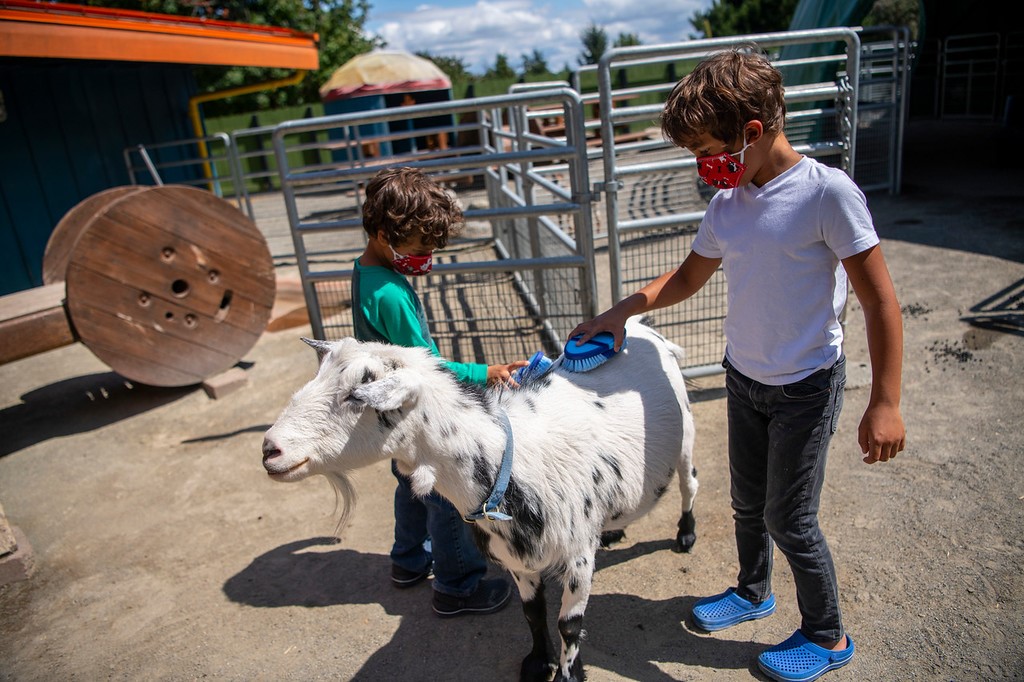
<point>574,584</point>
<point>531,404</point>
<point>599,404</point>
<point>482,541</point>
<point>648,321</point>
<point>660,491</point>
<point>613,463</point>
<point>482,475</point>
<point>528,519</point>
<point>588,506</point>
<point>386,420</point>
<point>571,629</point>
<point>475,394</point>
<point>598,476</point>
<point>368,376</point>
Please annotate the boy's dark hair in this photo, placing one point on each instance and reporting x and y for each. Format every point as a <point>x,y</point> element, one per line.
<point>722,94</point>
<point>405,203</point>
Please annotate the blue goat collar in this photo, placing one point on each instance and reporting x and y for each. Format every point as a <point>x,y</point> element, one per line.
<point>489,509</point>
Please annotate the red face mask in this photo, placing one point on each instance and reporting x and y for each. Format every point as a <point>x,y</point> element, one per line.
<point>722,170</point>
<point>411,265</point>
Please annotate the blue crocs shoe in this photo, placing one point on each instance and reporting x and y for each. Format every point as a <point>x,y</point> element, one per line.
<point>727,609</point>
<point>798,659</point>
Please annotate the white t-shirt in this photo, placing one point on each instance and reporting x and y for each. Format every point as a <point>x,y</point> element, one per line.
<point>780,246</point>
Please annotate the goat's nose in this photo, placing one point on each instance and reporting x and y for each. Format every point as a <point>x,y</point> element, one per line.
<point>270,450</point>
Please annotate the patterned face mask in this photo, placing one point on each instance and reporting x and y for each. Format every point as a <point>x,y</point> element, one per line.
<point>411,265</point>
<point>722,170</point>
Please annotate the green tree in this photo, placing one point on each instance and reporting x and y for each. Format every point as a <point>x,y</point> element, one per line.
<point>339,24</point>
<point>454,67</point>
<point>742,17</point>
<point>627,40</point>
<point>595,44</point>
<point>501,68</point>
<point>535,64</point>
<point>895,13</point>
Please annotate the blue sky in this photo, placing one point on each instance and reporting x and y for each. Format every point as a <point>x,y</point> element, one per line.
<point>477,30</point>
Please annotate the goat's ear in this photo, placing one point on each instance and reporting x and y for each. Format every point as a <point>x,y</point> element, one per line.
<point>322,348</point>
<point>390,393</point>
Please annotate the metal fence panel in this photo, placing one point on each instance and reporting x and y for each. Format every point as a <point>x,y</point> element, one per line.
<point>519,278</point>
<point>206,162</point>
<point>970,76</point>
<point>654,200</point>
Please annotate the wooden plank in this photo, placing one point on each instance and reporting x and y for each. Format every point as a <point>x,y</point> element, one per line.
<point>150,355</point>
<point>241,321</point>
<point>33,321</point>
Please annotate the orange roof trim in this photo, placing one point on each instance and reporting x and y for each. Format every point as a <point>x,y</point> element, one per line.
<point>65,31</point>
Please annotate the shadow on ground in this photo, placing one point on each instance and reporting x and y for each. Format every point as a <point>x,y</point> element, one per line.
<point>77,405</point>
<point>319,573</point>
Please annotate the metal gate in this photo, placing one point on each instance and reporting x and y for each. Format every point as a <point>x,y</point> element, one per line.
<point>522,274</point>
<point>654,200</point>
<point>885,65</point>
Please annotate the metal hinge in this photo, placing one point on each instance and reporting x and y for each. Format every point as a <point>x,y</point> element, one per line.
<point>610,187</point>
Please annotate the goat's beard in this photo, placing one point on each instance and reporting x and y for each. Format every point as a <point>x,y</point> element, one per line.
<point>344,498</point>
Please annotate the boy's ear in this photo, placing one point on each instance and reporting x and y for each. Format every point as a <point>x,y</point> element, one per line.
<point>753,131</point>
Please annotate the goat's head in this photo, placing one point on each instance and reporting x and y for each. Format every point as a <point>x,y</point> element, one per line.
<point>344,418</point>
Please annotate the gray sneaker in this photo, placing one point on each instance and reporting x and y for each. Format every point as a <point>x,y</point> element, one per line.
<point>490,596</point>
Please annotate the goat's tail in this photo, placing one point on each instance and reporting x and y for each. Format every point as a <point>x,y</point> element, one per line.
<point>344,498</point>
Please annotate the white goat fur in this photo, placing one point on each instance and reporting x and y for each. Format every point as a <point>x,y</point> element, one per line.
<point>593,450</point>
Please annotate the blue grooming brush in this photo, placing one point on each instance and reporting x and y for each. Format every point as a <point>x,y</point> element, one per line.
<point>593,353</point>
<point>538,367</point>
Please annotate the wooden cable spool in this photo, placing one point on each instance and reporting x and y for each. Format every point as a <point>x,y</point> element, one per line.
<point>167,285</point>
<point>70,228</point>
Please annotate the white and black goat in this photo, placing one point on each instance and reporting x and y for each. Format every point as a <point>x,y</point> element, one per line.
<point>590,451</point>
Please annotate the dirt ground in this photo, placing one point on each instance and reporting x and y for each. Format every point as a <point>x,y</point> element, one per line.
<point>164,553</point>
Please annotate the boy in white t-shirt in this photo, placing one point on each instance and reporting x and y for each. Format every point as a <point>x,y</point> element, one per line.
<point>788,232</point>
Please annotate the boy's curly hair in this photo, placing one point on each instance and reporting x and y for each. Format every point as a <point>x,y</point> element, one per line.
<point>405,203</point>
<point>722,94</point>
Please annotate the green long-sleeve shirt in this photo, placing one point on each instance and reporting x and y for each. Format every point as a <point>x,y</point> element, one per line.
<point>386,309</point>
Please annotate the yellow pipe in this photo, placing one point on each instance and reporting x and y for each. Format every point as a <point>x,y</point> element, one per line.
<point>196,100</point>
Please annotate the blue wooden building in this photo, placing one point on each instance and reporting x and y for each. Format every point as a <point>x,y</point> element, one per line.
<point>79,85</point>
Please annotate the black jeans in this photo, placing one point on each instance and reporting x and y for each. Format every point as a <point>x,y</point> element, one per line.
<point>778,444</point>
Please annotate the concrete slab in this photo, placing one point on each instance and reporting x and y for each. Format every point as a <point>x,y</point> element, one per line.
<point>163,552</point>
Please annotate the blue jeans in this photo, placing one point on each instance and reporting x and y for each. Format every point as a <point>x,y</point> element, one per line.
<point>778,444</point>
<point>458,564</point>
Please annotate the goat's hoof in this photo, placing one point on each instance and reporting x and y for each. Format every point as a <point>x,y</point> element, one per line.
<point>684,542</point>
<point>535,669</point>
<point>610,537</point>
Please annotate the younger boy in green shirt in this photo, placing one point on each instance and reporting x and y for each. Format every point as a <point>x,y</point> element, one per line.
<point>406,217</point>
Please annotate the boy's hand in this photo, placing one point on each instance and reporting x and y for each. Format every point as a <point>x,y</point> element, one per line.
<point>502,374</point>
<point>881,434</point>
<point>608,321</point>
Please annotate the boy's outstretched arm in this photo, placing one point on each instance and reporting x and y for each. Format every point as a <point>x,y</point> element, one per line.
<point>671,288</point>
<point>882,433</point>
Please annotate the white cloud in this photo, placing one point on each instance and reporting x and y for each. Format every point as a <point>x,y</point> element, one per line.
<point>477,32</point>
